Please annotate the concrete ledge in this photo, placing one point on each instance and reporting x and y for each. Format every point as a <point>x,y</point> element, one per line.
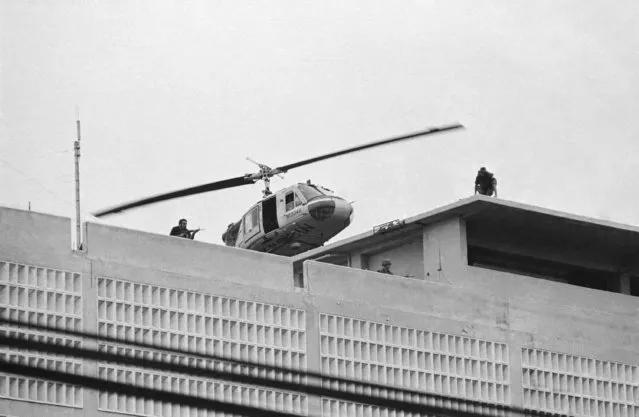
<point>187,257</point>
<point>403,294</point>
<point>537,290</point>
<point>25,233</point>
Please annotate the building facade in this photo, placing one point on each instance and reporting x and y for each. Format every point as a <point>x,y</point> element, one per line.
<point>492,301</point>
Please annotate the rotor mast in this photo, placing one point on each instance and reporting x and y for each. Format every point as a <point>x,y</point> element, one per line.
<point>267,183</point>
<point>265,173</point>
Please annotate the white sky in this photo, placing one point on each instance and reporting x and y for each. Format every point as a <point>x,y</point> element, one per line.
<point>178,93</point>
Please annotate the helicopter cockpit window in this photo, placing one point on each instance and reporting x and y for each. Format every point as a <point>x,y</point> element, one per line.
<point>292,201</point>
<point>254,217</point>
<point>309,192</point>
<point>251,221</point>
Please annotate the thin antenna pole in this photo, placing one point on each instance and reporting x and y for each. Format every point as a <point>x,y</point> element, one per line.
<point>76,146</point>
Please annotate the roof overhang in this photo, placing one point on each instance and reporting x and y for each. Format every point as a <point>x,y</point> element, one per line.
<point>530,222</point>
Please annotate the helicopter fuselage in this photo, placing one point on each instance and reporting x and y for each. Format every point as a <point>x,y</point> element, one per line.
<point>291,220</point>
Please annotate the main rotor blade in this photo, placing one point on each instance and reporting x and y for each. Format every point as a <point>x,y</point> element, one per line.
<point>212,186</point>
<point>369,145</point>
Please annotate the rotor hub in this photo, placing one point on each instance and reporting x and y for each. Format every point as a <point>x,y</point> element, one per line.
<point>264,174</point>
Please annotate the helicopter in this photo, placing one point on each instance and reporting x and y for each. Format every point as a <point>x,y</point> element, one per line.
<point>289,221</point>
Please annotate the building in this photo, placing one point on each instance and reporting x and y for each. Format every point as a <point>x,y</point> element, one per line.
<point>491,300</point>
<point>495,235</point>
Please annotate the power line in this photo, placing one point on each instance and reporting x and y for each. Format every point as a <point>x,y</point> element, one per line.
<point>120,388</point>
<point>51,153</point>
<point>278,384</point>
<point>34,181</point>
<point>268,368</point>
<point>47,189</point>
<point>389,397</point>
<point>44,154</point>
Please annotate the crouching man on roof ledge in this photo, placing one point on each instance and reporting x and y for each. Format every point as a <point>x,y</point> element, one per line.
<point>181,231</point>
<point>386,264</point>
<point>485,183</point>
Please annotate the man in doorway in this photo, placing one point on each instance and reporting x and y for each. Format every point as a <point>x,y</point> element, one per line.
<point>386,264</point>
<point>485,183</point>
<point>181,231</point>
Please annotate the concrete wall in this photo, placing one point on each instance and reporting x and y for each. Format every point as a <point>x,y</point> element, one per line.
<point>126,283</point>
<point>445,250</point>
<point>599,321</point>
<point>175,256</point>
<point>40,238</point>
<point>464,331</point>
<point>555,339</point>
<point>407,259</point>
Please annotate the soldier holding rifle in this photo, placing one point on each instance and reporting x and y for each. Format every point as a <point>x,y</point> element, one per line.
<point>182,231</point>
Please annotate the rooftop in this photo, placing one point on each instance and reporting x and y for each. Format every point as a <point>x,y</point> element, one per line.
<point>494,219</point>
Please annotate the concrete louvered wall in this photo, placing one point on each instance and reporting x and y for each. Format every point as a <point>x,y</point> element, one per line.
<point>203,323</point>
<point>49,297</point>
<point>490,344</point>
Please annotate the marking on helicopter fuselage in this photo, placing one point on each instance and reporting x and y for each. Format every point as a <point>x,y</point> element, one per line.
<point>293,213</point>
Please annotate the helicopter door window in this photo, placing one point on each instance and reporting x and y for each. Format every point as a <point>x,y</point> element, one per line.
<point>292,200</point>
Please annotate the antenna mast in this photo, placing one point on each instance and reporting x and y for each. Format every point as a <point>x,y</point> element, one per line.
<point>76,146</point>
